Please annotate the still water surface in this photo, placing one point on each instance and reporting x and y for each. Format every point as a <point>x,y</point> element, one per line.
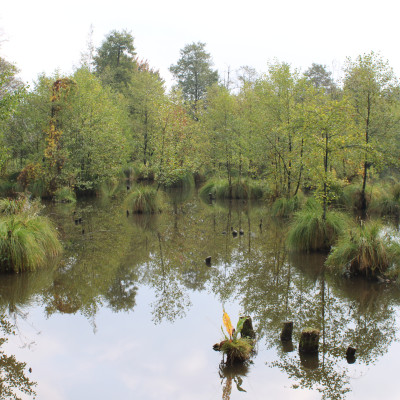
<point>131,311</point>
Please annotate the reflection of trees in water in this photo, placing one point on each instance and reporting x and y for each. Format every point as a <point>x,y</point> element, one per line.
<point>13,380</point>
<point>166,252</point>
<point>232,375</point>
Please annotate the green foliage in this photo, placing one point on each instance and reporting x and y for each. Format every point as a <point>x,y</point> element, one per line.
<point>284,207</point>
<point>366,250</point>
<point>179,178</point>
<point>65,195</point>
<point>311,232</point>
<point>193,71</point>
<point>144,200</point>
<point>26,242</point>
<point>115,59</point>
<point>239,189</point>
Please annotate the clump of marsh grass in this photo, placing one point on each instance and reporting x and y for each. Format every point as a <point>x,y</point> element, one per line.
<point>285,208</point>
<point>237,350</point>
<point>144,200</point>
<point>64,195</point>
<point>365,250</point>
<point>19,205</point>
<point>310,231</point>
<point>239,189</point>
<point>26,241</point>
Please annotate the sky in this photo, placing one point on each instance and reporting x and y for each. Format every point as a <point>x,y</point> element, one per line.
<point>45,35</point>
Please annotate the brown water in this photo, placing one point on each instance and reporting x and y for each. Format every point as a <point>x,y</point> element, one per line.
<point>132,311</point>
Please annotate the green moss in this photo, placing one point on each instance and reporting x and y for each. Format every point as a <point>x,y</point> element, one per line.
<point>238,350</point>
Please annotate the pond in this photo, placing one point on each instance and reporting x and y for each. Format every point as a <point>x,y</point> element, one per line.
<point>132,311</point>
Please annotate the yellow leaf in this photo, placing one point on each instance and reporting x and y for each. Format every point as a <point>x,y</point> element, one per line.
<point>227,322</point>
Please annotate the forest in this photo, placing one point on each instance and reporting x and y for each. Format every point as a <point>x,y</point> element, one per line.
<point>297,140</point>
<point>275,193</point>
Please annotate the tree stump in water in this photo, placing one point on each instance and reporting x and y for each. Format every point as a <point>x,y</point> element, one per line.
<point>286,334</point>
<point>309,341</point>
<point>351,355</point>
<point>309,361</point>
<point>287,346</point>
<point>247,330</point>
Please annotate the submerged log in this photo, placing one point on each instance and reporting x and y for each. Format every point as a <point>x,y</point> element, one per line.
<point>309,341</point>
<point>247,330</point>
<point>286,334</point>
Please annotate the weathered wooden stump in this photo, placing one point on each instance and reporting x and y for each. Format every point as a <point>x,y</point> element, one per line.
<point>309,341</point>
<point>351,355</point>
<point>286,334</point>
<point>287,346</point>
<point>247,330</point>
<point>309,361</point>
<point>208,260</point>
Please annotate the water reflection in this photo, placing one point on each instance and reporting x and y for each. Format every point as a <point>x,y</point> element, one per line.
<point>232,375</point>
<point>110,256</point>
<point>13,378</point>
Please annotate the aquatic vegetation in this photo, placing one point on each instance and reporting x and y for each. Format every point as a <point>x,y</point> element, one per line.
<point>26,239</point>
<point>65,195</point>
<point>239,189</point>
<point>144,200</point>
<point>284,207</point>
<point>26,242</point>
<point>365,250</point>
<point>310,231</point>
<point>237,350</point>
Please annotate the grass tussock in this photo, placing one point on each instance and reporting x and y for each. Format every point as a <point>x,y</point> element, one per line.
<point>144,200</point>
<point>64,195</point>
<point>238,350</point>
<point>179,178</point>
<point>26,241</point>
<point>285,208</point>
<point>365,250</point>
<point>311,232</point>
<point>239,189</point>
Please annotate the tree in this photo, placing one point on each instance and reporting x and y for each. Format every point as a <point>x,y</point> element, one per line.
<point>11,91</point>
<point>320,77</point>
<point>194,73</point>
<point>371,87</point>
<point>115,59</point>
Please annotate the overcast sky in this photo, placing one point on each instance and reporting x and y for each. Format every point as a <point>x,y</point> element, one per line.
<point>43,35</point>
